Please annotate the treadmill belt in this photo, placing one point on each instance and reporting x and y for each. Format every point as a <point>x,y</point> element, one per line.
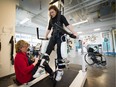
<point>67,79</point>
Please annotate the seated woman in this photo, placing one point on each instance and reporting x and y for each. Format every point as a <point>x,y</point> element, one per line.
<point>23,69</point>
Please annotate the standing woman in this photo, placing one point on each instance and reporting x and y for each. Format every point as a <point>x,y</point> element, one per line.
<point>56,34</point>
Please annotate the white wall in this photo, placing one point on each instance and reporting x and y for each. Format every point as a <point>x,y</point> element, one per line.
<point>7,29</point>
<point>109,36</point>
<point>97,38</point>
<point>26,30</point>
<point>114,37</point>
<point>94,38</point>
<point>115,40</point>
<point>30,30</point>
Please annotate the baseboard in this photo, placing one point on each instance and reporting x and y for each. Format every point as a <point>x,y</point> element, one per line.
<point>8,76</point>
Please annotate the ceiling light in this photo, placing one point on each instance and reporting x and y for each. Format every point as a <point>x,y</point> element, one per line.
<point>80,22</point>
<point>79,32</point>
<point>24,21</point>
<point>97,29</point>
<point>56,4</point>
<point>53,1</point>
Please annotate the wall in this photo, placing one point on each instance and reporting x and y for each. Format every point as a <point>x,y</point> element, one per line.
<point>98,38</point>
<point>111,42</point>
<point>7,29</point>
<point>30,30</point>
<point>114,39</point>
<point>94,38</point>
<point>106,45</point>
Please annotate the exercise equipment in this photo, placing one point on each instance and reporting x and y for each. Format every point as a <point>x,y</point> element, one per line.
<point>81,77</point>
<point>64,47</point>
<point>44,61</point>
<point>82,73</point>
<point>77,82</point>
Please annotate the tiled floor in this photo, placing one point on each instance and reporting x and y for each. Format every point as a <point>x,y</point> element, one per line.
<point>102,76</point>
<point>96,76</point>
<point>99,76</point>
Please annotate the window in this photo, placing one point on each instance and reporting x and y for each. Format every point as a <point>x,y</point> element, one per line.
<point>31,39</point>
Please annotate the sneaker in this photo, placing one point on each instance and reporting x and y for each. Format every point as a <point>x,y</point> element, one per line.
<point>59,75</point>
<point>36,75</point>
<point>38,72</point>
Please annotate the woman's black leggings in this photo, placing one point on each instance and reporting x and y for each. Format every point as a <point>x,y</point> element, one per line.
<point>47,67</point>
<point>56,39</point>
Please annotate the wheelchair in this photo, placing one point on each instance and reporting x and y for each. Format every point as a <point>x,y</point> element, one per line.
<point>92,57</point>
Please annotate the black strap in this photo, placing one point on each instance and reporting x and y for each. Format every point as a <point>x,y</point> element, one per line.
<point>64,31</point>
<point>0,46</point>
<point>12,50</point>
<point>37,32</point>
<point>58,19</point>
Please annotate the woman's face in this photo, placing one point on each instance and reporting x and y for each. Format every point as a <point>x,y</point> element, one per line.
<point>52,13</point>
<point>24,48</point>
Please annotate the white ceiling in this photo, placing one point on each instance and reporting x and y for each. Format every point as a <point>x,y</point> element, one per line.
<point>74,10</point>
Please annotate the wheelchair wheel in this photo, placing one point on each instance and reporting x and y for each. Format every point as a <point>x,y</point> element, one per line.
<point>99,58</point>
<point>88,59</point>
<point>103,61</point>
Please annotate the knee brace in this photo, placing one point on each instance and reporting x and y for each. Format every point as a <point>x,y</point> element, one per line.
<point>43,64</point>
<point>61,64</point>
<point>44,60</point>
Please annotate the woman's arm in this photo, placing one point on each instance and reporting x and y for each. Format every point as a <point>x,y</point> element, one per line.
<point>70,27</point>
<point>35,61</point>
<point>23,66</point>
<point>47,33</point>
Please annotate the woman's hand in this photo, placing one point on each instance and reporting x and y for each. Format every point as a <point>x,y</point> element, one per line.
<point>75,34</point>
<point>36,61</point>
<point>70,27</point>
<point>33,59</point>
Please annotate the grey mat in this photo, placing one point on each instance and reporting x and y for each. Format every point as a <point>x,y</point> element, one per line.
<point>68,77</point>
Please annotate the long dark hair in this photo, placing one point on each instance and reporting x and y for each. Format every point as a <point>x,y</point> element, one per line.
<point>55,8</point>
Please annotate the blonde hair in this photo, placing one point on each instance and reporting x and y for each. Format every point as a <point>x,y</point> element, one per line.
<point>20,44</point>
